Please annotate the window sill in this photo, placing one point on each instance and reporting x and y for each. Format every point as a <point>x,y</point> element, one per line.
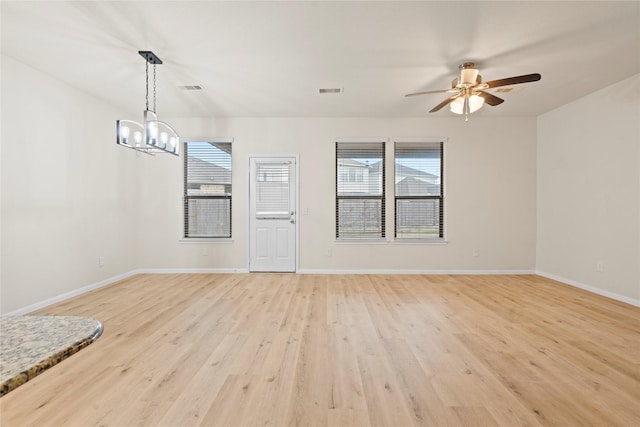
<point>362,242</point>
<point>421,242</point>
<point>205,240</point>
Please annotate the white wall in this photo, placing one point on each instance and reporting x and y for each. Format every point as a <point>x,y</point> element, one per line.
<point>68,193</point>
<point>70,196</point>
<point>489,179</point>
<point>589,191</point>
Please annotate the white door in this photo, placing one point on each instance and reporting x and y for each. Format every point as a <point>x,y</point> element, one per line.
<point>272,222</point>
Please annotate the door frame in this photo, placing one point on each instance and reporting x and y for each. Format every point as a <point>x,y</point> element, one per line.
<point>296,207</point>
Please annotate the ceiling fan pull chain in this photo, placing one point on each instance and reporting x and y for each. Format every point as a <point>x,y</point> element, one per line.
<point>466,108</point>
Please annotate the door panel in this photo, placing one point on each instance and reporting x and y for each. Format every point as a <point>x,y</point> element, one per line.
<point>282,242</point>
<point>272,201</point>
<point>262,242</point>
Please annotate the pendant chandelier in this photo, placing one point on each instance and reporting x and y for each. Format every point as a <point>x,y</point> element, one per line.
<point>154,136</point>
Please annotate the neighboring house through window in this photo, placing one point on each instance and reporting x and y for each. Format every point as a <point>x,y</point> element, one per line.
<point>207,188</point>
<point>360,202</point>
<point>419,195</point>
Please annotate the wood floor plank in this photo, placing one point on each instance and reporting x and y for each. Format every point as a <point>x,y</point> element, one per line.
<point>341,350</point>
<point>310,394</point>
<point>385,398</point>
<point>346,403</point>
<point>278,376</point>
<point>200,392</point>
<point>235,403</point>
<point>427,408</point>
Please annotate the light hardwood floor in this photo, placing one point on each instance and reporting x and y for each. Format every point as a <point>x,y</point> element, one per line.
<point>342,350</point>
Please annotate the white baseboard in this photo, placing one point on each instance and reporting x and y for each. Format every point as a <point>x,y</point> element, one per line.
<point>42,304</point>
<point>598,291</point>
<point>191,270</point>
<point>387,271</point>
<point>62,297</point>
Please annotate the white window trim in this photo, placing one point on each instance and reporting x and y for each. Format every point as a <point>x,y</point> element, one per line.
<point>382,241</point>
<point>200,240</point>
<point>418,241</point>
<point>361,140</point>
<point>404,139</point>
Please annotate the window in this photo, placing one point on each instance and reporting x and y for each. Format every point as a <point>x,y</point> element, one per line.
<point>207,189</point>
<point>419,193</point>
<point>272,190</point>
<point>360,190</point>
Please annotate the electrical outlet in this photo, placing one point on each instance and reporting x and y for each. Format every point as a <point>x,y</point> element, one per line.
<point>476,253</point>
<point>600,266</point>
<point>100,261</point>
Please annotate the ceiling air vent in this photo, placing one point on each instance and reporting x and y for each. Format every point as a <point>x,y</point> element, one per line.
<point>191,87</point>
<point>331,90</point>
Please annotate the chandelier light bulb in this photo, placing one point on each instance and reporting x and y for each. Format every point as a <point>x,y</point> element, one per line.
<point>164,138</point>
<point>124,134</point>
<point>137,137</point>
<point>152,129</point>
<point>173,143</point>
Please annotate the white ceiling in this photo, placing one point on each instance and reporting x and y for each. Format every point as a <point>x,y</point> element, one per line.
<point>269,59</point>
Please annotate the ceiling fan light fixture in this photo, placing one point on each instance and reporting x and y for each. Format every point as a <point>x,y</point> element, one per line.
<point>468,76</point>
<point>470,91</point>
<point>475,103</point>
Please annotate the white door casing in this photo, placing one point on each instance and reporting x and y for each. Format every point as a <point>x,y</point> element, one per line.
<point>272,214</point>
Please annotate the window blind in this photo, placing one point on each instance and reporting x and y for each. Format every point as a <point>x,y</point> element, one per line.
<point>360,190</point>
<point>272,190</point>
<point>207,189</point>
<point>419,208</point>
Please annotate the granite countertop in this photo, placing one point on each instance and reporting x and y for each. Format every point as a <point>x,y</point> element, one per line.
<point>29,345</point>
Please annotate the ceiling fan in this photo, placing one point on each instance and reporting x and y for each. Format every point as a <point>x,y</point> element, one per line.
<point>469,92</point>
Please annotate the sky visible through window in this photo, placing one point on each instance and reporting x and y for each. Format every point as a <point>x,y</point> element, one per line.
<point>207,151</point>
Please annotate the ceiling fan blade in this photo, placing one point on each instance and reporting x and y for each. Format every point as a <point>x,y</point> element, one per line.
<point>490,98</point>
<point>428,92</point>
<point>511,81</point>
<point>443,103</point>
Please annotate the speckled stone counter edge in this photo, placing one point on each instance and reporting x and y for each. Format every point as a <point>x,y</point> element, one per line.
<point>37,369</point>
